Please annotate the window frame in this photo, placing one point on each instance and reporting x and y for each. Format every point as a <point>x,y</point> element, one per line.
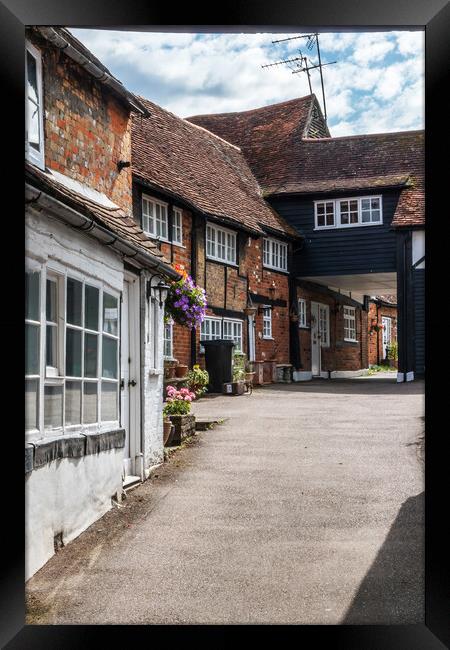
<point>169,340</point>
<point>349,317</point>
<point>270,243</point>
<point>267,322</point>
<point>324,342</point>
<point>235,324</point>
<point>34,156</point>
<point>52,271</point>
<point>227,233</point>
<point>162,204</point>
<point>177,214</point>
<point>302,313</point>
<point>337,212</point>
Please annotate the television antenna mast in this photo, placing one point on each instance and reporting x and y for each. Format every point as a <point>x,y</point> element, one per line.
<point>303,64</point>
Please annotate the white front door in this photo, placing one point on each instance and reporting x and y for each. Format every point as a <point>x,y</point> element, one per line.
<point>387,334</point>
<point>315,340</point>
<point>130,376</point>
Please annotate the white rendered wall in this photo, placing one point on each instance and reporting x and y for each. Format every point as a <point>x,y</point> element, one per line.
<point>152,382</point>
<point>66,496</point>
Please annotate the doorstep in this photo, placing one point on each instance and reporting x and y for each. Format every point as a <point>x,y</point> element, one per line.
<point>130,482</point>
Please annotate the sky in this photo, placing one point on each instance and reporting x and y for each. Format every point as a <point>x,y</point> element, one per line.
<point>377,84</point>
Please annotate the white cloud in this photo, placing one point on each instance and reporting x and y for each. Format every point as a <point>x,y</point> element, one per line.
<point>376,85</point>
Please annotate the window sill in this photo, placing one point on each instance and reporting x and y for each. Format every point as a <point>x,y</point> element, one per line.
<point>351,225</point>
<point>276,270</point>
<point>304,327</point>
<point>268,338</point>
<point>214,259</point>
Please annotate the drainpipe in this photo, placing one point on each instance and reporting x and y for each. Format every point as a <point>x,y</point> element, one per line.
<point>378,335</point>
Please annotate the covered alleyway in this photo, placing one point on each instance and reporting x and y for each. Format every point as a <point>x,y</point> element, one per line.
<point>304,506</point>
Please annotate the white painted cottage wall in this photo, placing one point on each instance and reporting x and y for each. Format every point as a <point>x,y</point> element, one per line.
<point>66,496</point>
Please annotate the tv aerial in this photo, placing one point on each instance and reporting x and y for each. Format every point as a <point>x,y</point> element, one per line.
<point>303,64</point>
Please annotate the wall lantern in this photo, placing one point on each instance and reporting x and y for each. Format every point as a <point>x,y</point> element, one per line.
<point>157,286</point>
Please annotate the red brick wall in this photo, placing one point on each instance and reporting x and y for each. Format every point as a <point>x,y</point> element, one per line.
<point>340,355</point>
<point>375,339</point>
<point>87,129</point>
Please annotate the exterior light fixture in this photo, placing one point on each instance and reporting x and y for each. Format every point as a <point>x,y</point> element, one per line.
<point>161,287</point>
<point>122,163</point>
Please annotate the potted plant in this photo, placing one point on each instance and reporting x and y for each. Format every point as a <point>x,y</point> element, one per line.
<point>178,408</point>
<point>197,380</point>
<point>169,368</point>
<point>167,429</point>
<point>181,370</point>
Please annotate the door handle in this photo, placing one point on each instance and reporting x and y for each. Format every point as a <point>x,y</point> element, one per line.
<point>132,382</point>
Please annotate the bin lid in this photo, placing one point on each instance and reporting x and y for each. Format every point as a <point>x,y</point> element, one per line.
<point>218,343</point>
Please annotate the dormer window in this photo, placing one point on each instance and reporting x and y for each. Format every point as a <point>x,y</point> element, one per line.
<point>34,122</point>
<point>349,212</point>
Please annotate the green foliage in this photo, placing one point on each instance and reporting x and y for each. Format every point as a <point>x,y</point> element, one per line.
<point>392,351</point>
<point>197,380</point>
<point>177,407</point>
<point>239,359</point>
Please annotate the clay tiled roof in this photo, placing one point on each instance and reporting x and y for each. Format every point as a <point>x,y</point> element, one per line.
<point>194,165</point>
<point>114,219</point>
<point>285,158</point>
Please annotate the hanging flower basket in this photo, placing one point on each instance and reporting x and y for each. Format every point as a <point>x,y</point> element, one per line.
<point>186,302</point>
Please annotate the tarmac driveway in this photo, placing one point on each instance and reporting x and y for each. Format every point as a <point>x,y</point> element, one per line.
<point>304,506</point>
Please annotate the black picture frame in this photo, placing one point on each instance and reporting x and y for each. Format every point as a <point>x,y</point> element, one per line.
<point>283,15</point>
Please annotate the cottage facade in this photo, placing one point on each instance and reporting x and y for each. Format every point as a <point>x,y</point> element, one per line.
<point>358,203</point>
<point>195,195</point>
<point>94,298</point>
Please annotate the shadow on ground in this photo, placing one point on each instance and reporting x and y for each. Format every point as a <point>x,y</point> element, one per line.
<point>365,386</point>
<point>393,590</point>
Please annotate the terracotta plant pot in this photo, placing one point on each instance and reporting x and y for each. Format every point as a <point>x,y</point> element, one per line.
<point>181,371</point>
<point>167,424</point>
<point>249,376</point>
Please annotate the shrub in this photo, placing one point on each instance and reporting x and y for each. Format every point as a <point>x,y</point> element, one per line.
<point>392,351</point>
<point>197,380</point>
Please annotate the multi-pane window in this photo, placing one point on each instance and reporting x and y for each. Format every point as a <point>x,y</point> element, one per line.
<point>32,348</point>
<point>232,331</point>
<point>275,254</point>
<point>77,379</point>
<point>217,328</point>
<point>168,340</point>
<point>324,325</point>
<point>34,127</point>
<point>325,214</point>
<point>210,329</point>
<point>348,211</point>
<point>220,244</point>
<point>349,324</point>
<point>154,218</point>
<point>301,312</point>
<point>267,322</point>
<point>355,211</point>
<point>177,227</point>
<point>371,210</point>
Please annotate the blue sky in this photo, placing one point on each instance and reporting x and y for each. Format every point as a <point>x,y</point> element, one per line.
<point>376,86</point>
